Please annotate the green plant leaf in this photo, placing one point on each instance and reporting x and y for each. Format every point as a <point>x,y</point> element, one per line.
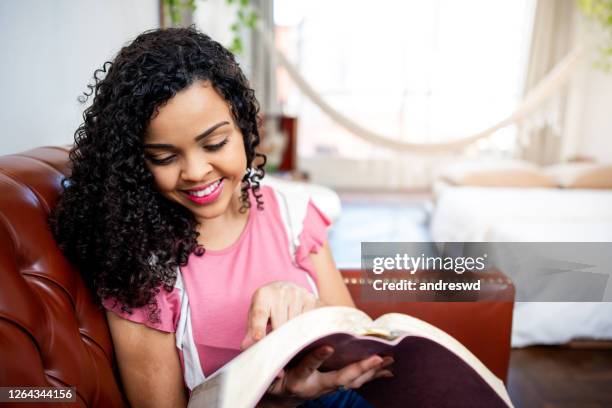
<point>236,46</point>
<point>245,18</point>
<point>175,16</point>
<point>252,19</point>
<point>600,11</point>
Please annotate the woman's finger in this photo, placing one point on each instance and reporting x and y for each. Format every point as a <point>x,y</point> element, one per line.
<point>258,317</point>
<point>346,375</point>
<point>278,317</point>
<point>387,361</point>
<point>351,372</point>
<point>383,374</point>
<point>363,378</point>
<point>309,303</point>
<point>295,308</point>
<point>372,374</point>
<point>311,362</point>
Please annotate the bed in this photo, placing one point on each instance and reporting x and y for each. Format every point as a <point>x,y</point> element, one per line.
<point>497,214</point>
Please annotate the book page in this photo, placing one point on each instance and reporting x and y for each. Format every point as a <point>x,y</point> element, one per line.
<point>397,324</point>
<point>271,354</point>
<point>243,381</point>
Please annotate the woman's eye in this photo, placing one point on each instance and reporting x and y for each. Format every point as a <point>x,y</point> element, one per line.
<point>160,160</point>
<point>215,147</point>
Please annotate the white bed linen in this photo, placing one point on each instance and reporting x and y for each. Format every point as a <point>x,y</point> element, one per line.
<point>466,214</point>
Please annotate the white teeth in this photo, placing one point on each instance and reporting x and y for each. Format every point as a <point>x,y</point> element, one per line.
<point>206,191</point>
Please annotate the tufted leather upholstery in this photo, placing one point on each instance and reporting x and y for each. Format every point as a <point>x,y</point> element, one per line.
<point>51,333</point>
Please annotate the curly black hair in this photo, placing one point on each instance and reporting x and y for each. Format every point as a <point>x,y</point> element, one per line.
<point>122,235</point>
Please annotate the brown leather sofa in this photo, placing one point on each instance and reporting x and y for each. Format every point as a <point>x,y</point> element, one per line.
<point>51,333</point>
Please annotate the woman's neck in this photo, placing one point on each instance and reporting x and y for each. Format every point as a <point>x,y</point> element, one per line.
<point>222,231</point>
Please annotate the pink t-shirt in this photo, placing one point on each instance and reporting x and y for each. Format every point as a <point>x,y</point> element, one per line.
<point>219,285</point>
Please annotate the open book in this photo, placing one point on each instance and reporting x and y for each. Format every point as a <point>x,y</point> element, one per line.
<point>431,368</point>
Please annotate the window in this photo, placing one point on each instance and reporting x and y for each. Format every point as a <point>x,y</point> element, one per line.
<point>418,71</point>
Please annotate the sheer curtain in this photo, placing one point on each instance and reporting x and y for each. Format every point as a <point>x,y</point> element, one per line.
<point>552,39</point>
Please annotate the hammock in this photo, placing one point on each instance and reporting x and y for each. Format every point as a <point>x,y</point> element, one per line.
<point>535,98</point>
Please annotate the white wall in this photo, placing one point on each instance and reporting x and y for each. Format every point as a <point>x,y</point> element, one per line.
<point>404,171</point>
<point>596,140</point>
<point>50,49</point>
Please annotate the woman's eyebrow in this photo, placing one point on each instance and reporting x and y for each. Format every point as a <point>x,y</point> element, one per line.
<point>197,138</point>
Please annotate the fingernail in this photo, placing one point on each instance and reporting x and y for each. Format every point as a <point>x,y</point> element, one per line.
<point>326,352</point>
<point>388,361</point>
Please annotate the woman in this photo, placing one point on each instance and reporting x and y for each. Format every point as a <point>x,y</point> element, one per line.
<point>165,217</point>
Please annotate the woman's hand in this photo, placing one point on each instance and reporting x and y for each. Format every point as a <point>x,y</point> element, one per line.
<point>305,381</point>
<point>276,302</point>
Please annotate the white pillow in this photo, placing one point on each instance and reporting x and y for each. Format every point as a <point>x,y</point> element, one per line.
<point>582,175</point>
<point>506,173</point>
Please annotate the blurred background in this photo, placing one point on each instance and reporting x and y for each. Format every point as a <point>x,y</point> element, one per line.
<point>439,120</point>
<point>420,72</point>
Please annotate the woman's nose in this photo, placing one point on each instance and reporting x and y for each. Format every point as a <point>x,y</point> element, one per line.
<point>196,168</point>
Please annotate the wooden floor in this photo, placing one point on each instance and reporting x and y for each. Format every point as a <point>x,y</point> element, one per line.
<point>551,377</point>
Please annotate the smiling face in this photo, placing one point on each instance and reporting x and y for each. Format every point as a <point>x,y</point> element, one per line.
<point>196,152</point>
